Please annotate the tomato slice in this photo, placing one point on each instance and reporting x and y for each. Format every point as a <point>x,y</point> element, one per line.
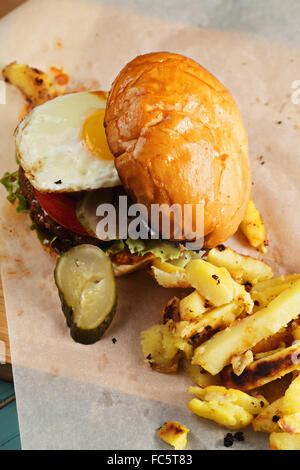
<point>61,208</point>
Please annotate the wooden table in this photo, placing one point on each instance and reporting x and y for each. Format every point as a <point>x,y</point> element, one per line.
<point>3,328</point>
<point>8,5</point>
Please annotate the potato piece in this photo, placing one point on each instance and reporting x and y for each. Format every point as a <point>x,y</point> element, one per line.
<point>267,420</point>
<point>174,434</point>
<point>35,84</point>
<point>276,281</point>
<point>290,423</point>
<point>253,228</point>
<point>221,394</point>
<point>159,348</point>
<point>291,400</point>
<point>263,355</point>
<point>217,352</point>
<point>264,292</point>
<point>171,311</point>
<point>239,363</point>
<point>242,268</point>
<point>193,306</point>
<point>284,441</point>
<point>280,339</point>
<point>215,319</point>
<point>199,375</point>
<point>166,279</point>
<point>162,349</point>
<point>166,267</point>
<point>265,370</point>
<point>215,284</point>
<point>226,414</point>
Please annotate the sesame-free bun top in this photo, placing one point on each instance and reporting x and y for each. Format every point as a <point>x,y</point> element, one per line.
<point>178,137</point>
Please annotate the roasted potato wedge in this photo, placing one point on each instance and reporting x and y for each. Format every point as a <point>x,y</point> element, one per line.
<point>267,419</point>
<point>171,311</point>
<point>226,414</point>
<point>243,269</point>
<point>253,228</point>
<point>213,320</point>
<point>265,370</point>
<point>290,423</point>
<point>221,394</point>
<point>193,306</point>
<point>290,408</point>
<point>217,352</point>
<point>264,292</point>
<point>34,84</point>
<point>168,279</point>
<point>284,441</point>
<point>239,363</point>
<point>215,284</point>
<point>162,349</point>
<point>282,338</point>
<point>174,434</point>
<point>199,375</point>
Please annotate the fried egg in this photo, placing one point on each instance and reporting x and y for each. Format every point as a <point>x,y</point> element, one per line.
<point>62,145</point>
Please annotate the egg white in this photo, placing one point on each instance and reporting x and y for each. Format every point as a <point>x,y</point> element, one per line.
<point>51,151</point>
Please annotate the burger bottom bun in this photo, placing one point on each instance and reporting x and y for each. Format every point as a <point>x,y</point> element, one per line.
<point>119,269</point>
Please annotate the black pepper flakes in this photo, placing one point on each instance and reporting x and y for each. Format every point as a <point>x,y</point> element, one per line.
<point>208,327</point>
<point>149,357</point>
<point>256,302</point>
<point>38,81</point>
<point>239,436</point>
<point>228,440</point>
<point>262,404</point>
<point>248,286</point>
<point>275,418</point>
<point>221,247</point>
<point>114,340</point>
<point>58,182</point>
<point>214,276</point>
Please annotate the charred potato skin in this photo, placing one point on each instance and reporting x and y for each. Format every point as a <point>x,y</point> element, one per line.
<point>263,370</point>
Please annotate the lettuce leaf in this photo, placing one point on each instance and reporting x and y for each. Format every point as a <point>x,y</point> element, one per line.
<point>164,251</point>
<point>11,183</point>
<point>114,247</point>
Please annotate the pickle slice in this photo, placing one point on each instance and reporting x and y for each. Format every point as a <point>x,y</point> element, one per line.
<point>87,290</point>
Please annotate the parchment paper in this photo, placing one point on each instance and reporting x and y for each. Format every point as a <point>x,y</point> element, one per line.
<point>104,395</point>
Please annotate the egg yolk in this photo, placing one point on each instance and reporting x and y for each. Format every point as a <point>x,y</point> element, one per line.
<point>93,135</point>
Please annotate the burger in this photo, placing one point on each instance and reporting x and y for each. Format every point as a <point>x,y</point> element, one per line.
<point>168,132</point>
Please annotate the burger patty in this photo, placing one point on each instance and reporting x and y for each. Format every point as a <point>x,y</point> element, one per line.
<point>65,238</point>
<point>44,222</point>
